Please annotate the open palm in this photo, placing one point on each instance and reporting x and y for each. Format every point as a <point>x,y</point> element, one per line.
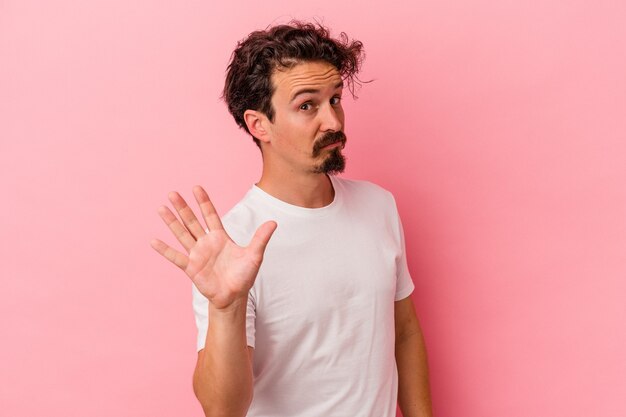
<point>221,270</point>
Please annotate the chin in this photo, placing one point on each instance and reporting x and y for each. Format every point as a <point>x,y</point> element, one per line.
<point>335,163</point>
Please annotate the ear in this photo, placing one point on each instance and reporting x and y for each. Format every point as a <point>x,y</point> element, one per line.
<point>258,124</point>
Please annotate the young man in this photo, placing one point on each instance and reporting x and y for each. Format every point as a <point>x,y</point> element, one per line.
<point>301,291</point>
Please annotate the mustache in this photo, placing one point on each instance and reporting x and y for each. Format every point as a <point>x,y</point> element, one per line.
<point>328,139</point>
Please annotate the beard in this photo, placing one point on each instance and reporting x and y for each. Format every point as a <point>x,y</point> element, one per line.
<point>335,162</point>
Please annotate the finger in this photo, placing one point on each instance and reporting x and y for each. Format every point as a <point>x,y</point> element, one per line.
<point>172,255</point>
<point>262,237</point>
<point>211,218</point>
<point>186,214</point>
<point>181,233</point>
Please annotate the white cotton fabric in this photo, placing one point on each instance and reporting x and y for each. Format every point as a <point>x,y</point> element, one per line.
<point>321,312</point>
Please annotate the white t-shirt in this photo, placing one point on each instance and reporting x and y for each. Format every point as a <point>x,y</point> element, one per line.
<point>321,312</point>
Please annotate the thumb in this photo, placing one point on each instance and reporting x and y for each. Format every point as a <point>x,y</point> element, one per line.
<point>262,236</point>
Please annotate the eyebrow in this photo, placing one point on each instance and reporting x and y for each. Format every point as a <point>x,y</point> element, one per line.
<point>312,91</point>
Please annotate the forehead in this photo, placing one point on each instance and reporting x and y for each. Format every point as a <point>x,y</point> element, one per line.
<point>314,75</point>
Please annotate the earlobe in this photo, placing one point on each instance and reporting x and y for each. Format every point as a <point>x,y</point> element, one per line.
<point>256,122</point>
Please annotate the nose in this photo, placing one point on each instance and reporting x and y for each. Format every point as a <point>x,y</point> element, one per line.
<point>332,119</point>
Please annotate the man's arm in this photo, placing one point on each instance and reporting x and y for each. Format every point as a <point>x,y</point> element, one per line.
<point>413,385</point>
<point>223,380</point>
<point>223,272</point>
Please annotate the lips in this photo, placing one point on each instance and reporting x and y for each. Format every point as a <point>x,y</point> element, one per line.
<point>333,145</point>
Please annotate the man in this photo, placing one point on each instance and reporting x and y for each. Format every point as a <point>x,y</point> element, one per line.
<point>313,317</point>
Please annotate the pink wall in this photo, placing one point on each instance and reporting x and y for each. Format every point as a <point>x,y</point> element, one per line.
<point>499,126</point>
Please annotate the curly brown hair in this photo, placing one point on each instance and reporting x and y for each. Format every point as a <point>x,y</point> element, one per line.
<point>248,80</point>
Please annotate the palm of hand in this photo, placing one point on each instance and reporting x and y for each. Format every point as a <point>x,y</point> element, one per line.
<point>221,270</point>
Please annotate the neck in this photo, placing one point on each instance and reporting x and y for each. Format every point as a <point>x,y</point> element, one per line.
<point>299,189</point>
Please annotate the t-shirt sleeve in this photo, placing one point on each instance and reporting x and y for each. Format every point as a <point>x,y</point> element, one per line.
<point>404,283</point>
<point>201,312</point>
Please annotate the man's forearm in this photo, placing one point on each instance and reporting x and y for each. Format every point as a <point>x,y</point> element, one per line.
<point>413,386</point>
<point>223,380</point>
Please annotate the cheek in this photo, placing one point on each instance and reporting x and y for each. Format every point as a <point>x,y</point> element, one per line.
<point>293,136</point>
<point>300,129</point>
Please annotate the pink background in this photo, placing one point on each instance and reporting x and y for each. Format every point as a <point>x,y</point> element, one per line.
<point>499,126</point>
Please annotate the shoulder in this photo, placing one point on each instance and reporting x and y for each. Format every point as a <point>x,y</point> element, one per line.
<point>366,190</point>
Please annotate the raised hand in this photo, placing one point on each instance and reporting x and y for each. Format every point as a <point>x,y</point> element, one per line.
<point>222,270</point>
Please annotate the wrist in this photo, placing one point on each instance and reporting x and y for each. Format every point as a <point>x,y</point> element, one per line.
<point>233,308</point>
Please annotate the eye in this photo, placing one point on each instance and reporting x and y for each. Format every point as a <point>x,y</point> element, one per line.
<point>335,100</point>
<point>306,106</point>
